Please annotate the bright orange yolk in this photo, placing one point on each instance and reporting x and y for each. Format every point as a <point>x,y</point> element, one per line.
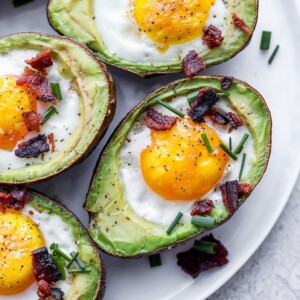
<point>19,235</point>
<point>14,100</point>
<point>169,22</point>
<point>178,166</point>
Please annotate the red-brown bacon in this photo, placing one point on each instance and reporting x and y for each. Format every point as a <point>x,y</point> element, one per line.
<point>16,199</point>
<point>194,262</point>
<point>44,289</point>
<point>244,189</point>
<point>217,117</point>
<point>230,195</point>
<point>41,61</point>
<point>226,82</point>
<point>156,121</point>
<point>51,141</point>
<point>212,36</point>
<point>32,120</point>
<point>235,120</point>
<point>203,207</point>
<point>192,64</point>
<point>57,294</point>
<point>240,23</point>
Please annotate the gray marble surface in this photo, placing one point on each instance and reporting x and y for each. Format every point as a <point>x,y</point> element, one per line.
<point>273,272</point>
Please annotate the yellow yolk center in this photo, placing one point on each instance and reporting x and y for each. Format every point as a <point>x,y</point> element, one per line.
<point>19,235</point>
<point>169,22</point>
<point>14,100</point>
<point>177,165</point>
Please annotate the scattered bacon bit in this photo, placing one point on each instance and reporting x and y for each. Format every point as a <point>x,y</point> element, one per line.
<point>41,61</point>
<point>212,36</point>
<point>193,64</point>
<point>217,117</point>
<point>203,207</point>
<point>44,289</point>
<point>235,120</point>
<point>194,262</point>
<point>156,121</point>
<point>31,212</point>
<point>244,189</point>
<point>57,294</point>
<point>33,147</point>
<point>16,199</point>
<point>32,120</point>
<point>51,141</point>
<point>230,195</point>
<point>226,82</point>
<point>37,83</point>
<point>240,23</point>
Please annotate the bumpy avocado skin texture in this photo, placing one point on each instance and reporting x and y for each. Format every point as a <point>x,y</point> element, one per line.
<point>75,19</point>
<point>114,226</point>
<point>94,85</point>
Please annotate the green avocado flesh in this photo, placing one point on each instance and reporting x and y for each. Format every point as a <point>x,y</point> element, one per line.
<point>94,87</point>
<point>76,19</point>
<point>114,226</point>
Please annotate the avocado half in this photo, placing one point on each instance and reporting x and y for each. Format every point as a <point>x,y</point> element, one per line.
<point>114,226</point>
<point>76,19</point>
<point>94,85</point>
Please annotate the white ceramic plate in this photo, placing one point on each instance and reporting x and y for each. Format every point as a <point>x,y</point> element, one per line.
<point>242,235</point>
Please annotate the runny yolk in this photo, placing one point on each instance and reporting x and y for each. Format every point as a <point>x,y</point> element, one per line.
<point>178,166</point>
<point>19,235</point>
<point>14,100</point>
<point>169,22</point>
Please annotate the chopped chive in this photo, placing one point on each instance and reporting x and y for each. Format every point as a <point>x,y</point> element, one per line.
<point>174,223</point>
<point>201,221</point>
<point>155,260</point>
<point>48,114</point>
<point>273,54</point>
<point>228,151</point>
<point>172,109</point>
<point>57,251</point>
<point>206,247</point>
<point>79,262</point>
<point>242,166</point>
<point>74,256</point>
<point>265,40</point>
<point>206,142</point>
<point>61,267</point>
<point>240,146</point>
<point>56,90</point>
<point>86,270</point>
<point>230,143</point>
<point>222,94</point>
<point>193,96</point>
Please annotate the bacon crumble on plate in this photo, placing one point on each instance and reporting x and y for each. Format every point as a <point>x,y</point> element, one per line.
<point>193,64</point>
<point>244,189</point>
<point>202,207</point>
<point>32,120</point>
<point>240,23</point>
<point>41,61</point>
<point>235,120</point>
<point>212,36</point>
<point>51,141</point>
<point>230,195</point>
<point>226,82</point>
<point>157,121</point>
<point>16,199</point>
<point>218,117</point>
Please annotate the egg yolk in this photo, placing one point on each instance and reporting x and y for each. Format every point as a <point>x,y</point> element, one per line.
<point>178,166</point>
<point>169,22</point>
<point>19,235</point>
<point>14,100</point>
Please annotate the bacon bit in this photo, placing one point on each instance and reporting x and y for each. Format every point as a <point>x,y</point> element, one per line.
<point>32,120</point>
<point>156,121</point>
<point>194,262</point>
<point>244,189</point>
<point>240,23</point>
<point>15,199</point>
<point>212,36</point>
<point>235,120</point>
<point>44,289</point>
<point>193,64</point>
<point>217,117</point>
<point>230,195</point>
<point>33,147</point>
<point>38,84</point>
<point>51,141</point>
<point>57,294</point>
<point>31,212</point>
<point>203,207</point>
<point>226,82</point>
<point>41,61</point>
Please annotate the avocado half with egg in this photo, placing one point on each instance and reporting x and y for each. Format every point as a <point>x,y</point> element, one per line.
<point>82,115</point>
<point>40,223</point>
<point>145,177</point>
<point>150,37</point>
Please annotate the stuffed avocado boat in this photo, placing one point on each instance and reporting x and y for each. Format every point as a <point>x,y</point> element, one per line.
<point>46,252</point>
<point>56,101</point>
<point>150,36</point>
<point>181,162</point>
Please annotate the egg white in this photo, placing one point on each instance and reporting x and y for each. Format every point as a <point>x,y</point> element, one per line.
<point>151,206</point>
<point>119,31</point>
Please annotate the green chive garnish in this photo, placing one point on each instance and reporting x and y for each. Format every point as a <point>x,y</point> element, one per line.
<point>206,142</point>
<point>79,262</point>
<point>174,223</point>
<point>239,147</point>
<point>86,270</point>
<point>230,143</point>
<point>273,54</point>
<point>265,40</point>
<point>206,247</point>
<point>74,256</point>
<point>57,251</point>
<point>61,267</point>
<point>48,114</point>
<point>172,109</point>
<point>229,152</point>
<point>201,221</point>
<point>193,96</point>
<point>242,166</point>
<point>56,90</point>
<point>155,260</point>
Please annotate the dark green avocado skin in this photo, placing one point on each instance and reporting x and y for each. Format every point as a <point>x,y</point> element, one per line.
<point>114,226</point>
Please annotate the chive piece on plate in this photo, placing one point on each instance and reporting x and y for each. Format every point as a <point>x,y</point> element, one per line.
<point>202,221</point>
<point>48,114</point>
<point>155,260</point>
<point>174,223</point>
<point>265,40</point>
<point>273,54</point>
<point>230,143</point>
<point>172,109</point>
<point>206,247</point>
<point>78,261</point>
<point>206,142</point>
<point>242,166</point>
<point>228,151</point>
<point>61,267</point>
<point>239,147</point>
<point>85,270</point>
<point>56,90</point>
<point>74,256</point>
<point>56,250</point>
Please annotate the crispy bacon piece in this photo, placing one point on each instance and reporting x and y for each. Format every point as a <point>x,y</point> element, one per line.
<point>235,120</point>
<point>42,60</point>
<point>57,294</point>
<point>230,195</point>
<point>226,82</point>
<point>244,189</point>
<point>156,121</point>
<point>44,289</point>
<point>33,147</point>
<point>212,36</point>
<point>194,262</point>
<point>15,199</point>
<point>203,207</point>
<point>37,83</point>
<point>32,120</point>
<point>193,64</point>
<point>240,23</point>
<point>51,141</point>
<point>217,117</point>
